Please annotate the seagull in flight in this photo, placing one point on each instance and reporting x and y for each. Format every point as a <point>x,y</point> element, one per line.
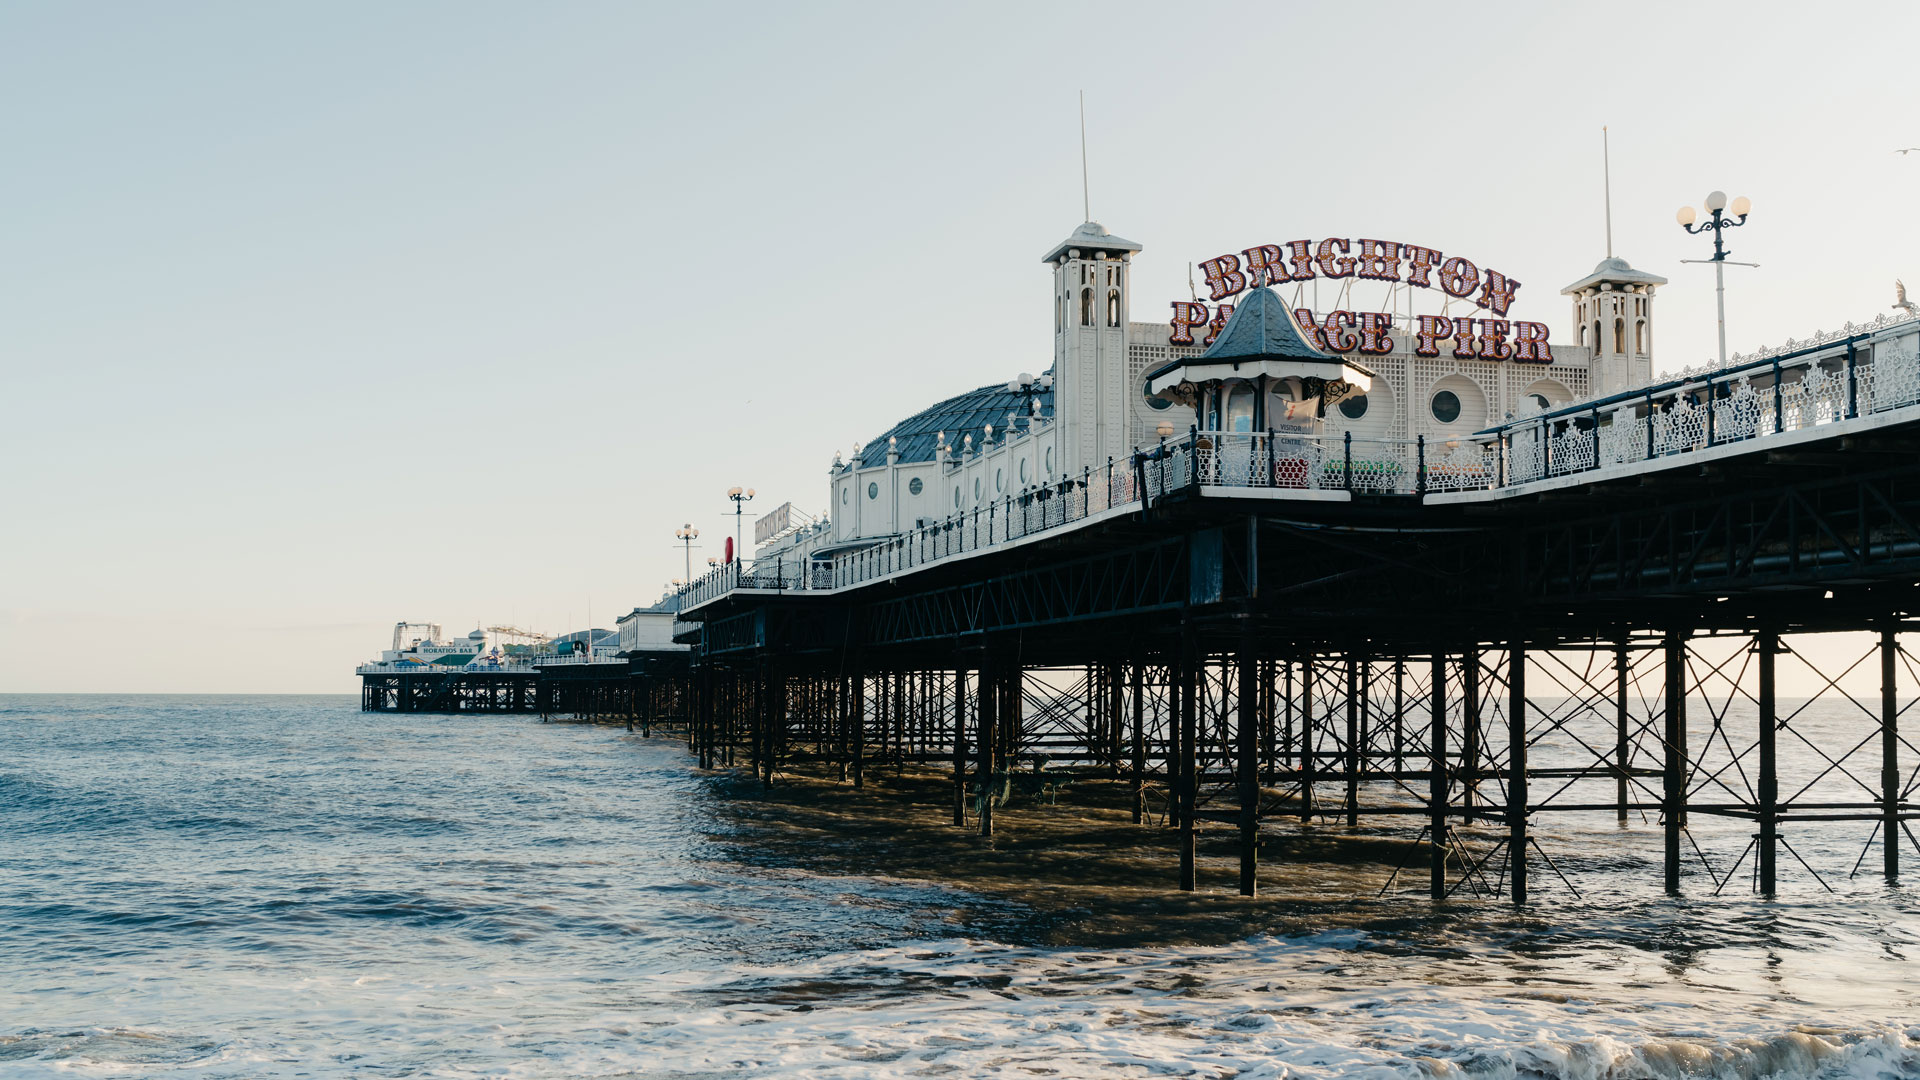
<point>1908,150</point>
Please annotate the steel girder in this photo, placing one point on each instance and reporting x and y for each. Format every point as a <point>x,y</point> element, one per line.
<point>1151,577</point>
<point>1856,529</point>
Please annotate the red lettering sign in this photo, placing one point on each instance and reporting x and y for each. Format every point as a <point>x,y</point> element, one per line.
<point>1186,315</point>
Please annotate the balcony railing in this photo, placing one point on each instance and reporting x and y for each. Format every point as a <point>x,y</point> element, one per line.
<point>602,654</point>
<point>381,667</point>
<point>1844,378</point>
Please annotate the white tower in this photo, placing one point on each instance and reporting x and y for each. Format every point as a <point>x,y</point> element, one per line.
<point>1090,380</point>
<point>1613,316</point>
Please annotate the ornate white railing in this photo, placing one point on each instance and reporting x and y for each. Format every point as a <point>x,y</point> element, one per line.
<point>1838,379</point>
<point>602,654</point>
<point>381,667</point>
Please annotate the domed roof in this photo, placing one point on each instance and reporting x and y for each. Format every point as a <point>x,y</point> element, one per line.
<point>917,436</point>
<point>1613,270</point>
<point>1091,235</point>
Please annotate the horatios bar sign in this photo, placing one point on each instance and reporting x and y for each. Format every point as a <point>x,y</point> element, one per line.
<point>1371,331</point>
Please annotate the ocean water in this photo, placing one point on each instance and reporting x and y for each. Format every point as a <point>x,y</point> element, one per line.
<point>286,887</point>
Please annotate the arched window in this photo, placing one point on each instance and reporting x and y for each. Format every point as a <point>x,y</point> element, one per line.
<point>1113,307</point>
<point>1598,341</point>
<point>1619,335</point>
<point>1240,408</point>
<point>1581,340</point>
<point>1060,312</point>
<point>1640,338</point>
<point>1086,307</point>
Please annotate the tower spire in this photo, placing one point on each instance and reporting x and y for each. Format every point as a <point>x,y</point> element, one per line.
<point>1086,203</point>
<point>1606,171</point>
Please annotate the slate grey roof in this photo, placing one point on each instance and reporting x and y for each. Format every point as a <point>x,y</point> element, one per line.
<point>1260,328</point>
<point>1616,271</point>
<point>1090,237</point>
<point>959,415</point>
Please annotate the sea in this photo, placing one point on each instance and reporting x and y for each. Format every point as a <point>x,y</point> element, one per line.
<point>284,886</point>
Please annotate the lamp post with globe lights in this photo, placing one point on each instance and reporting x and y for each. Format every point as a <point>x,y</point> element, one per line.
<point>1721,218</point>
<point>686,534</point>
<point>740,499</point>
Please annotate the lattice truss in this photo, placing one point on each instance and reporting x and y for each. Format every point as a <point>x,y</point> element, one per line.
<point>1084,718</point>
<point>1346,736</point>
<point>1832,777</point>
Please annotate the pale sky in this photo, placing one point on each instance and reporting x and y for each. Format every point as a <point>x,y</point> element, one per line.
<point>316,317</point>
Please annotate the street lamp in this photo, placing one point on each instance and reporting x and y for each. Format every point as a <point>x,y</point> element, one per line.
<point>740,499</point>
<point>685,534</point>
<point>1722,217</point>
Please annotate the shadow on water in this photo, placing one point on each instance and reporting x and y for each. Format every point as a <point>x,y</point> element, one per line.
<point>1079,873</point>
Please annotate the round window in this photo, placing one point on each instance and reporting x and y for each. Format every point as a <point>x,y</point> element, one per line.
<point>873,491</point>
<point>1049,461</point>
<point>844,492</point>
<point>1154,401</point>
<point>1355,407</point>
<point>999,480</point>
<point>976,488</point>
<point>1023,470</point>
<point>956,496</point>
<point>914,485</point>
<point>1446,406</point>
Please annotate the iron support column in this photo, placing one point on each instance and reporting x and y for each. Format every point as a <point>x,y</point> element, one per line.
<point>1889,755</point>
<point>1139,741</point>
<point>1249,773</point>
<point>1353,739</point>
<point>1175,691</point>
<point>1267,726</point>
<point>1622,753</point>
<point>1673,774</point>
<point>1470,731</point>
<point>776,714</point>
<point>1286,697</point>
<point>960,748</point>
<point>1189,759</point>
<point>1307,769</point>
<point>1517,768</point>
<point>1399,714</point>
<point>1768,812</point>
<point>1437,783</point>
<point>986,722</point>
<point>857,728</point>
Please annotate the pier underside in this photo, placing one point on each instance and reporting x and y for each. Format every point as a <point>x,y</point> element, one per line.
<point>1458,675</point>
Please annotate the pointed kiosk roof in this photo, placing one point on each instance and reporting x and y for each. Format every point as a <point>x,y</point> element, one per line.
<point>1260,338</point>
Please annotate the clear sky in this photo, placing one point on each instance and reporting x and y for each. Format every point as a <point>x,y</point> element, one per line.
<point>315,317</point>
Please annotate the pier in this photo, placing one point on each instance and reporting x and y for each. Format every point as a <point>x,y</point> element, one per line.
<point>1268,620</point>
<point>1558,616</point>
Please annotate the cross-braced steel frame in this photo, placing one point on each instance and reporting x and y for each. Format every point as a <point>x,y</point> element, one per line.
<point>1464,677</point>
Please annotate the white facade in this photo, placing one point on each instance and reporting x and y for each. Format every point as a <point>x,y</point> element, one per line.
<point>648,630</point>
<point>1100,412</point>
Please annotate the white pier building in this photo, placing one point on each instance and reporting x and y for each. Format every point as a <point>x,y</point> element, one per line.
<point>1313,369</point>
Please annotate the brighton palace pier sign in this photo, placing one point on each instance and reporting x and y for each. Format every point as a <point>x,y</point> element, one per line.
<point>1370,331</point>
